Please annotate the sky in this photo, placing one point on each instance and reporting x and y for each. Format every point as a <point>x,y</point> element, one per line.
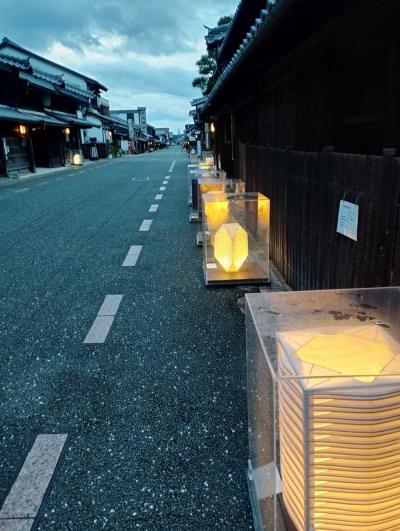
<point>143,51</point>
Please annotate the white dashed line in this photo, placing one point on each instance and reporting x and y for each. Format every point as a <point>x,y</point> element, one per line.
<point>26,495</point>
<point>153,208</point>
<point>102,324</point>
<point>167,177</point>
<point>162,188</point>
<point>59,178</point>
<point>165,182</point>
<point>132,256</point>
<point>22,190</point>
<point>43,183</point>
<point>158,197</point>
<point>145,226</point>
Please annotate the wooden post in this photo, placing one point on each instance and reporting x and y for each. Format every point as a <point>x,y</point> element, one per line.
<point>32,162</point>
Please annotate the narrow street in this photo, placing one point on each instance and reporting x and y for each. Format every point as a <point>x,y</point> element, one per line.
<point>155,416</point>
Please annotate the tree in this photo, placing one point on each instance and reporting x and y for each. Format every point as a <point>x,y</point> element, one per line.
<point>207,64</point>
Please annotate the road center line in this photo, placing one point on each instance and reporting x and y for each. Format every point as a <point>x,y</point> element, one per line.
<point>162,188</point>
<point>27,493</point>
<point>132,256</point>
<point>165,182</point>
<point>146,224</point>
<point>153,208</point>
<point>22,190</point>
<point>167,177</point>
<point>102,324</point>
<point>43,183</point>
<point>158,197</point>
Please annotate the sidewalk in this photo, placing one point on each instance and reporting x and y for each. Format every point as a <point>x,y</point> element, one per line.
<point>45,172</point>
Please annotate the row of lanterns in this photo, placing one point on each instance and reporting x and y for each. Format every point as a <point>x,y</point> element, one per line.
<point>234,230</point>
<point>323,373</point>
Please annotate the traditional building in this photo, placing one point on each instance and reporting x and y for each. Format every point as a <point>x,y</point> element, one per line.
<point>306,109</point>
<point>44,107</point>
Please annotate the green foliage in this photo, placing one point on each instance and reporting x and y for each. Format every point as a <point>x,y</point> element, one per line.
<point>207,65</point>
<point>200,82</point>
<point>225,20</point>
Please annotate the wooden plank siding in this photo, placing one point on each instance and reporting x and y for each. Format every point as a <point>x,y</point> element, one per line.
<point>305,189</point>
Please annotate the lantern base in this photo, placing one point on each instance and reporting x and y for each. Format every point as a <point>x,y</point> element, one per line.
<point>266,511</point>
<point>194,217</point>
<point>199,239</point>
<point>249,273</point>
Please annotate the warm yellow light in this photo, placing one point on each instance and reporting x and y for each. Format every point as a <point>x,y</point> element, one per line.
<point>339,431</point>
<point>205,188</point>
<point>22,129</point>
<point>347,354</point>
<point>231,246</point>
<point>77,159</point>
<point>263,213</point>
<point>217,213</point>
<point>67,131</point>
<point>212,127</point>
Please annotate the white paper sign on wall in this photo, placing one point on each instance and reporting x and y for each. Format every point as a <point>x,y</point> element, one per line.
<point>348,219</point>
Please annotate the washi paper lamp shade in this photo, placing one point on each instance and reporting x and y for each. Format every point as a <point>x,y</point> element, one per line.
<point>339,424</point>
<point>231,246</point>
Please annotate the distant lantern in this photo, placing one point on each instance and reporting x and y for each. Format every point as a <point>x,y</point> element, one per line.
<point>77,159</point>
<point>67,131</point>
<point>212,127</point>
<point>231,246</point>
<point>339,421</point>
<point>22,129</point>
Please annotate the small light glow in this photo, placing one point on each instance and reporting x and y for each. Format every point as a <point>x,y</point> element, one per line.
<point>216,213</point>
<point>77,159</point>
<point>67,131</point>
<point>22,129</point>
<point>212,127</point>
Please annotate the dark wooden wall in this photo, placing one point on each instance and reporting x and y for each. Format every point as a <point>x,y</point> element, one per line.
<point>305,189</point>
<point>340,87</point>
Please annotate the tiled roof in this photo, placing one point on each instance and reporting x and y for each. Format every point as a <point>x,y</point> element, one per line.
<point>23,64</point>
<point>71,119</point>
<point>43,117</point>
<point>216,35</point>
<point>259,24</point>
<point>10,114</point>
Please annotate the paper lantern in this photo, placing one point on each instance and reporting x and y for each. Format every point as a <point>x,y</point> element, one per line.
<point>231,246</point>
<point>22,130</point>
<point>77,159</point>
<point>339,424</point>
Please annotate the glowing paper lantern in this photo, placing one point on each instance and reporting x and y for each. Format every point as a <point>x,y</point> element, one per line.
<point>339,422</point>
<point>263,212</point>
<point>77,159</point>
<point>231,246</point>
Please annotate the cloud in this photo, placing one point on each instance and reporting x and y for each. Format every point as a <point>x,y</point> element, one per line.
<point>137,48</point>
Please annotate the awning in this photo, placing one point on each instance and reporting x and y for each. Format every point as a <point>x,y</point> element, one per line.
<point>9,114</point>
<point>70,119</point>
<point>37,82</point>
<point>44,118</point>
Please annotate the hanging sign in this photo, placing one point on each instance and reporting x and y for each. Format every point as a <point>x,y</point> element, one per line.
<point>348,219</point>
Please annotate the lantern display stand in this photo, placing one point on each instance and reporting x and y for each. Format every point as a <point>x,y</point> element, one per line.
<point>235,229</point>
<point>323,387</point>
<point>204,186</point>
<point>200,168</point>
<point>194,176</point>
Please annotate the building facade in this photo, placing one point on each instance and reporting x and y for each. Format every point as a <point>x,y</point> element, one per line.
<point>306,109</point>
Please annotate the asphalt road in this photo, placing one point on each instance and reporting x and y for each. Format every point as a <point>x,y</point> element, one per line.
<point>156,415</point>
